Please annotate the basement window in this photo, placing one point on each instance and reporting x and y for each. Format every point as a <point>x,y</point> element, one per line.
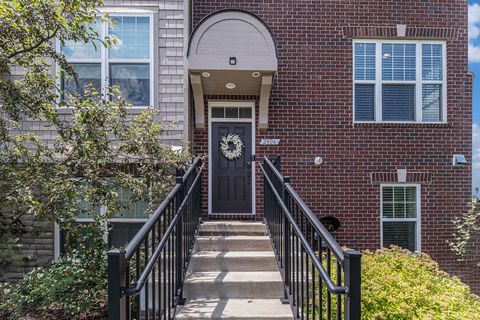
<point>400,216</point>
<point>119,230</point>
<point>399,81</point>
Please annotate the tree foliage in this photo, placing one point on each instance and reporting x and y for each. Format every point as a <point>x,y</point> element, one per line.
<point>29,30</point>
<point>467,231</point>
<point>99,146</point>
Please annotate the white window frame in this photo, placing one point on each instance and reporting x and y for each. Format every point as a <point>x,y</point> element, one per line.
<point>105,61</point>
<point>378,82</point>
<point>418,244</point>
<point>103,209</point>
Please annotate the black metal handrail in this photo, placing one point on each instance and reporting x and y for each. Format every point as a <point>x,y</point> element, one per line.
<point>306,251</point>
<point>145,279</point>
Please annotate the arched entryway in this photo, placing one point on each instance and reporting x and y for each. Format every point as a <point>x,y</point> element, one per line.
<point>232,53</point>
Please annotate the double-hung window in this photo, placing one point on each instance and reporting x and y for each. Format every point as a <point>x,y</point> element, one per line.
<point>399,81</point>
<point>128,64</point>
<point>400,216</point>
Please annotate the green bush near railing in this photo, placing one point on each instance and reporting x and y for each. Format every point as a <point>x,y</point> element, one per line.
<point>399,285</point>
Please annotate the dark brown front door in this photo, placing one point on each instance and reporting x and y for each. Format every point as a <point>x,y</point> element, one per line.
<point>231,179</point>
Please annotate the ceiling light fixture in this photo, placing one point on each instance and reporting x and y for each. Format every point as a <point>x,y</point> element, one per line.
<point>256,74</point>
<point>206,74</point>
<point>230,85</point>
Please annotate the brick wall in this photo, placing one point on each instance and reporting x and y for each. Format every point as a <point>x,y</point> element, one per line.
<point>311,112</point>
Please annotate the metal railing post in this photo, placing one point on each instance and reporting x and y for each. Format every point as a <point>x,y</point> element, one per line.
<point>286,241</point>
<point>117,279</point>
<point>179,245</point>
<point>278,163</point>
<point>353,282</point>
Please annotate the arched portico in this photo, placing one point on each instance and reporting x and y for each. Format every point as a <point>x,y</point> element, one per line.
<point>232,52</point>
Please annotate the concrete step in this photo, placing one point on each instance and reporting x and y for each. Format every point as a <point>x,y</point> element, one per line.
<point>235,309</point>
<point>233,243</point>
<point>242,285</point>
<point>233,261</point>
<point>232,228</point>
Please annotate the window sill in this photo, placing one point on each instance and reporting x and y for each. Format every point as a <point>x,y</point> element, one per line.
<point>401,125</point>
<point>130,110</point>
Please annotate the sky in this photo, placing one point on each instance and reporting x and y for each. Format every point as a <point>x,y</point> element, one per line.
<point>474,66</point>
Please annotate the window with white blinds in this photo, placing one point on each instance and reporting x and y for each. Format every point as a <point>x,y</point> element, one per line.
<point>399,81</point>
<point>400,216</point>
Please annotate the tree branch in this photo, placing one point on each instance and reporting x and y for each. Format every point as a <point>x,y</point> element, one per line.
<point>35,46</point>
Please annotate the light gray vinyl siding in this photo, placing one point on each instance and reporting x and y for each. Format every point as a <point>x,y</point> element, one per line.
<point>170,85</point>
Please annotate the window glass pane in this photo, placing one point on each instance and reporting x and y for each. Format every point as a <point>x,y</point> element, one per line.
<point>218,112</point>
<point>388,210</point>
<point>231,112</point>
<point>87,74</point>
<point>88,211</point>
<point>399,202</point>
<point>245,113</point>
<point>133,81</point>
<point>411,210</point>
<point>69,241</point>
<point>387,194</point>
<point>133,38</point>
<point>432,66</point>
<point>399,194</point>
<point>411,194</point>
<point>398,62</point>
<point>399,210</point>
<point>129,208</point>
<point>431,103</point>
<point>82,50</point>
<point>364,61</point>
<point>122,232</point>
<point>364,102</point>
<point>401,234</point>
<point>398,102</point>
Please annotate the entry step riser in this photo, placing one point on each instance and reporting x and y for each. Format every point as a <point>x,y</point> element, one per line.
<point>234,243</point>
<point>233,229</point>
<point>226,263</point>
<point>231,233</point>
<point>234,290</point>
<point>235,309</point>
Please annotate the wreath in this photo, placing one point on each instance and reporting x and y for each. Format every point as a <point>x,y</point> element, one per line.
<point>231,146</point>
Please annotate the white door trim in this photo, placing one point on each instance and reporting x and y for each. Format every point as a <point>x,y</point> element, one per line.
<point>229,103</point>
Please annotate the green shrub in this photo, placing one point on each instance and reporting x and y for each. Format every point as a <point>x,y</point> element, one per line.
<point>399,285</point>
<point>73,287</point>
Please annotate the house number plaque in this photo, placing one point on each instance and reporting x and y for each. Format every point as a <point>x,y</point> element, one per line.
<point>269,142</point>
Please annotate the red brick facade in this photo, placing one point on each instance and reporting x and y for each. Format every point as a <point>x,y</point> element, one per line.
<point>311,112</point>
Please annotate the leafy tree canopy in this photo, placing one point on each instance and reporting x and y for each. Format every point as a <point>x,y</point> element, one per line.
<point>29,30</point>
<point>99,147</point>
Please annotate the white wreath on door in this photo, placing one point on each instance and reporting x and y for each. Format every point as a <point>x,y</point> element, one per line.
<point>226,144</point>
